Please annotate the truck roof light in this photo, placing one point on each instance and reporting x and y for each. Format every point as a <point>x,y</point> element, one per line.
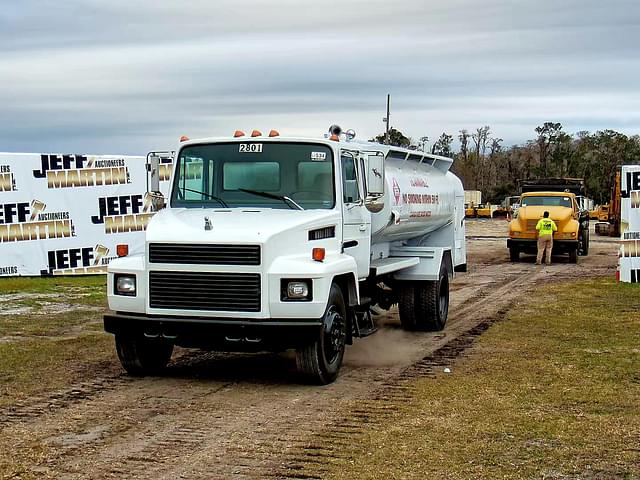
<point>122,249</point>
<point>256,133</point>
<point>334,137</point>
<point>274,133</point>
<point>184,138</point>
<point>238,133</point>
<point>318,254</point>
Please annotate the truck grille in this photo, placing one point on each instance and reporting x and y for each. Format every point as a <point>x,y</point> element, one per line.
<point>204,254</point>
<point>531,225</point>
<point>229,292</point>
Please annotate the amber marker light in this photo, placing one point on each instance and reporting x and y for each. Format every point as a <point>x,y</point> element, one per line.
<point>184,138</point>
<point>274,133</point>
<point>238,133</point>
<point>334,137</point>
<point>256,133</point>
<point>318,254</point>
<point>122,249</point>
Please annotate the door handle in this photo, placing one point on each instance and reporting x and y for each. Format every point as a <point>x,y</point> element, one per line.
<point>362,228</point>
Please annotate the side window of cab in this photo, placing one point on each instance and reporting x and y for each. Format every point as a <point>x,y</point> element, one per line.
<point>350,190</point>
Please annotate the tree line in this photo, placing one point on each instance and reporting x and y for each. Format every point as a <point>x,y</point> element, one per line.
<point>484,163</point>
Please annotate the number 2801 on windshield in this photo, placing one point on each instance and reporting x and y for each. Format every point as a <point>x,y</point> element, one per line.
<point>250,148</point>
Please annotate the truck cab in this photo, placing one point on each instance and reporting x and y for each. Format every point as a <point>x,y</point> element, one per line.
<point>572,237</point>
<point>271,243</point>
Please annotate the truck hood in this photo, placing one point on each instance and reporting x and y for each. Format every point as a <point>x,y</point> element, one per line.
<point>557,214</point>
<point>235,225</point>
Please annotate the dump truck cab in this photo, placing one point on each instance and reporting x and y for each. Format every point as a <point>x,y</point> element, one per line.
<point>572,237</point>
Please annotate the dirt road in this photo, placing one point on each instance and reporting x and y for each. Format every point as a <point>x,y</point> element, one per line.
<point>247,416</point>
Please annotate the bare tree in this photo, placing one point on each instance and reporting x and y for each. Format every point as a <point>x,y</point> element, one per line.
<point>443,145</point>
<point>464,145</point>
<point>547,135</point>
<point>480,143</point>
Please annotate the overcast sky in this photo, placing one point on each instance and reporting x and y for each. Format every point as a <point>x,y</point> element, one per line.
<point>125,76</point>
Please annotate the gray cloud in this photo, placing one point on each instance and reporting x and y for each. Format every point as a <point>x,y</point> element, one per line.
<point>123,76</point>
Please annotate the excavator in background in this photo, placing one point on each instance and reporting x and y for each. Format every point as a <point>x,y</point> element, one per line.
<point>609,217</point>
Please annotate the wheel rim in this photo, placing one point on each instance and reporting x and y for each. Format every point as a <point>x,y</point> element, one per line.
<point>334,335</point>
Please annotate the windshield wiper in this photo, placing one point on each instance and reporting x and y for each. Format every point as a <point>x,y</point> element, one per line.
<point>208,195</point>
<point>284,198</point>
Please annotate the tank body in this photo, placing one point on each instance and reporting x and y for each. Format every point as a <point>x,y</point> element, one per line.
<point>419,199</point>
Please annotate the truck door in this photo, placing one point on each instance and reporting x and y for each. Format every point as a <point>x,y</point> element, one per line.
<point>356,233</point>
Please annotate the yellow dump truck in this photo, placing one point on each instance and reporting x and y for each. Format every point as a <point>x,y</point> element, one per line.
<point>572,236</point>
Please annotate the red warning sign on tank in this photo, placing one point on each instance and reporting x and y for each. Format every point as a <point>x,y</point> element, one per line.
<point>396,191</point>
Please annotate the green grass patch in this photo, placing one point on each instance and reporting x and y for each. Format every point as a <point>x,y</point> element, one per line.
<point>551,392</point>
<point>40,365</point>
<point>57,340</point>
<point>70,322</point>
<point>50,305</point>
<point>50,284</point>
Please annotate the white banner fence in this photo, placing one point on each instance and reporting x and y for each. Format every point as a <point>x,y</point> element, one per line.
<point>629,266</point>
<point>65,214</point>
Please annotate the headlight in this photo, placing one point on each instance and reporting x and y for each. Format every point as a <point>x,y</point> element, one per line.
<point>296,290</point>
<point>125,285</point>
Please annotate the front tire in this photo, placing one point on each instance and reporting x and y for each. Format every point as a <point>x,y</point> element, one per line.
<point>573,256</point>
<point>142,356</point>
<point>514,254</point>
<point>320,361</point>
<point>585,242</point>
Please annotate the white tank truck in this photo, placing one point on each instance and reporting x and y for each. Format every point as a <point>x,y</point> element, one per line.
<point>271,243</point>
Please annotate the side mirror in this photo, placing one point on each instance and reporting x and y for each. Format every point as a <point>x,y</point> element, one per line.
<point>154,201</point>
<point>153,167</point>
<point>375,175</point>
<point>374,202</point>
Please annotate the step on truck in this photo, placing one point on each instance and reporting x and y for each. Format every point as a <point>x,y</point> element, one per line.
<point>270,243</point>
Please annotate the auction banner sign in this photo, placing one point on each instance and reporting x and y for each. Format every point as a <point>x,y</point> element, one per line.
<point>630,224</point>
<point>65,214</point>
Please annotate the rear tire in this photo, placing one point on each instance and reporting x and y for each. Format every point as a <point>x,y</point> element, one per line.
<point>142,356</point>
<point>514,254</point>
<point>425,305</point>
<point>320,360</point>
<point>432,302</point>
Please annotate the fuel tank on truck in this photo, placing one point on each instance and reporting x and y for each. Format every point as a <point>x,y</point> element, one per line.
<point>419,198</point>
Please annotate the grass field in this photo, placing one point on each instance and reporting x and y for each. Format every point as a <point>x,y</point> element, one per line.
<point>551,392</point>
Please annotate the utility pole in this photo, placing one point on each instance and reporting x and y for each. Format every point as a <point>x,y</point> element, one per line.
<point>386,120</point>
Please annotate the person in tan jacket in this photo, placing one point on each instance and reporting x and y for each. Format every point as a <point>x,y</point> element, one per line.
<point>545,228</point>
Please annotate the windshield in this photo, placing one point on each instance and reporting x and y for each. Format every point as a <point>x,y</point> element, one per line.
<point>555,201</point>
<point>254,174</point>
